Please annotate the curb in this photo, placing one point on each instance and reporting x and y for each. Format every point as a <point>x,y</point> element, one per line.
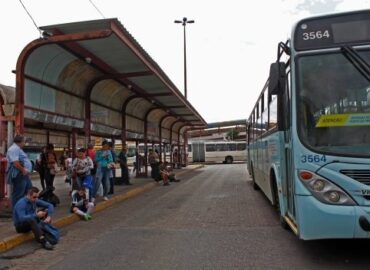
<point>15,240</point>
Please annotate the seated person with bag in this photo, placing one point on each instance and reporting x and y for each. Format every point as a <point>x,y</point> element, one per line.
<point>171,175</point>
<point>32,214</point>
<point>81,205</point>
<point>164,174</point>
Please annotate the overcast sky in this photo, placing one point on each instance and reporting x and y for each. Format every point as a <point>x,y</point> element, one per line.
<point>229,47</point>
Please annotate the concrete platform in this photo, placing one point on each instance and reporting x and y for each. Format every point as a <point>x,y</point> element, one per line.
<point>62,216</point>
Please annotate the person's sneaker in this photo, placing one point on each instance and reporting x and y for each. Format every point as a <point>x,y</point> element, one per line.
<point>89,217</point>
<point>46,245</point>
<point>86,217</point>
<point>105,198</point>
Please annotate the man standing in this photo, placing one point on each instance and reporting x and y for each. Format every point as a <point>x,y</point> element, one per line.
<point>124,167</point>
<point>103,158</point>
<point>112,171</point>
<point>154,164</point>
<point>18,169</point>
<point>29,212</point>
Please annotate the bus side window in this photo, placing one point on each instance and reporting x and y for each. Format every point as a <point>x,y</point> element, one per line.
<point>210,148</point>
<point>240,146</point>
<point>273,113</point>
<point>231,146</point>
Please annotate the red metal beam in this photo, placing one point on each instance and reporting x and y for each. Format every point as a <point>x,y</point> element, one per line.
<point>123,125</point>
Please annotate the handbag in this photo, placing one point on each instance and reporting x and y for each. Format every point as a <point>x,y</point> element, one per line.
<point>87,181</point>
<point>52,171</point>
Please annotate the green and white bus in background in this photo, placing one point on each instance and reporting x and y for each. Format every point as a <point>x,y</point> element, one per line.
<point>225,152</point>
<point>309,131</point>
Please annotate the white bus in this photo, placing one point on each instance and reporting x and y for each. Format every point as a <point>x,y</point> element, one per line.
<point>131,152</point>
<point>217,151</point>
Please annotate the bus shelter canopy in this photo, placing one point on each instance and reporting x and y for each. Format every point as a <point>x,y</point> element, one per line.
<point>93,76</point>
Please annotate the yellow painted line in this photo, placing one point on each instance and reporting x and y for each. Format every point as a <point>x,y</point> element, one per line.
<point>15,240</point>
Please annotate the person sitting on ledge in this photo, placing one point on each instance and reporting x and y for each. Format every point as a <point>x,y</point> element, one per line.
<point>29,212</point>
<point>81,205</point>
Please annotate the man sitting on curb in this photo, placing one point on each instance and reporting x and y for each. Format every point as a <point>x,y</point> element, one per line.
<point>26,217</point>
<point>171,174</point>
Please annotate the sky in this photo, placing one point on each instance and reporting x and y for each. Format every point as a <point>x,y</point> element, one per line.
<point>229,47</point>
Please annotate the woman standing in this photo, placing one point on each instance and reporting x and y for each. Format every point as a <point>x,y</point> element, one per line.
<point>40,168</point>
<point>49,160</point>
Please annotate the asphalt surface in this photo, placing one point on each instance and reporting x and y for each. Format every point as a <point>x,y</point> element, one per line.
<point>212,219</point>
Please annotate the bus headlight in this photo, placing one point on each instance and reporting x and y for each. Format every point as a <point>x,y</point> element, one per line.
<point>324,190</point>
<point>334,196</point>
<point>318,185</point>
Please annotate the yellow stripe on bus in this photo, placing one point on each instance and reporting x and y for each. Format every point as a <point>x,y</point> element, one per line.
<point>332,120</point>
<point>344,120</point>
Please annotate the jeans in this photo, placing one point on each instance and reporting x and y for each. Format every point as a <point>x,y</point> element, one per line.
<point>155,171</point>
<point>42,178</point>
<point>20,186</point>
<point>102,177</point>
<point>49,178</point>
<point>29,225</point>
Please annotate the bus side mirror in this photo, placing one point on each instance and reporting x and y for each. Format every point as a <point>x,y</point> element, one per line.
<point>277,78</point>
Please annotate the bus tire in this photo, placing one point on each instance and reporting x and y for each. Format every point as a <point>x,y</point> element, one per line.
<point>282,221</point>
<point>228,160</point>
<point>255,186</point>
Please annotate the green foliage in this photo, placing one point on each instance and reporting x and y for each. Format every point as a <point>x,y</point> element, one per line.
<point>232,134</point>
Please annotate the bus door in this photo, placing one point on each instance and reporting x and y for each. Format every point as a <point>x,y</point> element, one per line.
<point>198,152</point>
<point>288,156</point>
<point>288,175</point>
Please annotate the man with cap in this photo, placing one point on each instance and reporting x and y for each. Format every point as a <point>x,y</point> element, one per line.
<point>103,159</point>
<point>18,169</point>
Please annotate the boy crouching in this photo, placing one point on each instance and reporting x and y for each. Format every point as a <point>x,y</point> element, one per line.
<point>81,205</point>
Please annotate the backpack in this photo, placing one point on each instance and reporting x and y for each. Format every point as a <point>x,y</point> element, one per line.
<point>48,195</point>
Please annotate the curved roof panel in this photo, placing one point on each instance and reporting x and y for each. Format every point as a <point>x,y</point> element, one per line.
<point>98,62</point>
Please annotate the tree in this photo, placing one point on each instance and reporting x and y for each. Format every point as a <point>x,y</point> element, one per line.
<point>232,134</point>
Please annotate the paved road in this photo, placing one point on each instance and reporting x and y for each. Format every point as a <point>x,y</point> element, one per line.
<point>212,219</point>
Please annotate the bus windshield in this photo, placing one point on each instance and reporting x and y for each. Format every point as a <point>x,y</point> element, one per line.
<point>333,104</point>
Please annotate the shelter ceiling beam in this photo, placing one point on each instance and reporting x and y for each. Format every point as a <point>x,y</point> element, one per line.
<point>160,95</point>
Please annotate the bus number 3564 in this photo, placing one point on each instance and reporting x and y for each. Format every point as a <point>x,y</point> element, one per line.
<point>313,158</point>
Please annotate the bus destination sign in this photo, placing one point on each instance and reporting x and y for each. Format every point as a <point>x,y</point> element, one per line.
<point>333,31</point>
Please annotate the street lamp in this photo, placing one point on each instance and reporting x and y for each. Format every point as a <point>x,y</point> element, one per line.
<point>184,22</point>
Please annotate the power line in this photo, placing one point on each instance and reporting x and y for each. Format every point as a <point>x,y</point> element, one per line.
<point>97,9</point>
<point>29,14</point>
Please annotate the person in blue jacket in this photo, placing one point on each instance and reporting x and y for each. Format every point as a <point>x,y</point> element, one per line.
<point>28,212</point>
<point>104,162</point>
<point>18,169</point>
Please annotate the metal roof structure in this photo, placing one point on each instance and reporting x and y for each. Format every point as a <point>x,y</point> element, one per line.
<point>94,77</point>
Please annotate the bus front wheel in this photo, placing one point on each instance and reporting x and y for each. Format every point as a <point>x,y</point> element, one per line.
<point>255,186</point>
<point>282,221</point>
